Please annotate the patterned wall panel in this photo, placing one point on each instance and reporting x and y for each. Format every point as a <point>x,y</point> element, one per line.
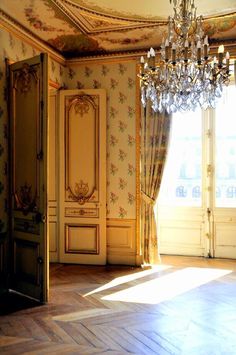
<point>118,78</point>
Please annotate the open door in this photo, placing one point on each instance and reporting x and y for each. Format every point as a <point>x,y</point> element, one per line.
<point>28,177</point>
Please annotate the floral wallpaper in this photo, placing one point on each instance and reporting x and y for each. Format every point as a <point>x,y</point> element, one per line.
<point>57,73</point>
<point>119,81</point>
<point>14,49</point>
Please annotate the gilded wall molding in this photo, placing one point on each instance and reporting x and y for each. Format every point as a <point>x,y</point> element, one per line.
<point>70,250</point>
<point>80,191</point>
<point>25,76</point>
<point>138,152</point>
<point>25,193</point>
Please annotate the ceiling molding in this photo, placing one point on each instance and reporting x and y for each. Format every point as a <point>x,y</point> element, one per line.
<point>96,9</point>
<point>70,16</point>
<point>81,19</point>
<point>115,17</point>
<point>107,58</point>
<point>230,46</point>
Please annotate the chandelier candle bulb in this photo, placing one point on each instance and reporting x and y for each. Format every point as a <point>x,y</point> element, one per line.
<point>186,50</point>
<point>206,40</point>
<point>142,65</point>
<point>199,52</point>
<point>152,57</point>
<point>205,48</point>
<point>166,50</point>
<point>148,58</point>
<point>220,55</point>
<point>174,53</point>
<point>227,60</point>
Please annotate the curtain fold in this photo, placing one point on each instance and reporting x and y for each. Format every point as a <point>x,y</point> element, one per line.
<point>155,133</point>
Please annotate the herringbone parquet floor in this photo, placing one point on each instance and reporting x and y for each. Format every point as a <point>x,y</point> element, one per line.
<point>183,306</point>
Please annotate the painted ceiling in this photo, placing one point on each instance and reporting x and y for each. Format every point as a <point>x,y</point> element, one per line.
<point>77,28</point>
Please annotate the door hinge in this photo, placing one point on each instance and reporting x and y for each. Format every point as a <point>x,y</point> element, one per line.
<point>208,235</point>
<point>39,218</point>
<point>209,169</point>
<point>40,155</point>
<point>40,260</point>
<point>5,169</point>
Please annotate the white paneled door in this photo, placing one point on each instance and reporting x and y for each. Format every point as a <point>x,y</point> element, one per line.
<point>196,210</point>
<point>82,176</point>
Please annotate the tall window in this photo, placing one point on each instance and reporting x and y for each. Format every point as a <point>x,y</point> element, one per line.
<point>182,183</point>
<point>182,178</point>
<point>225,150</point>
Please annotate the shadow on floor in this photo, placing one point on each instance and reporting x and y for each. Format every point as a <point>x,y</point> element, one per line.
<point>11,302</point>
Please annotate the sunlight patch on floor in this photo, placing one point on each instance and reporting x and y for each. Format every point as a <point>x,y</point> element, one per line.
<point>168,286</point>
<point>131,277</point>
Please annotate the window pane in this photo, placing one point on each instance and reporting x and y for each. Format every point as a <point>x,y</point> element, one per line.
<point>225,191</point>
<point>182,179</point>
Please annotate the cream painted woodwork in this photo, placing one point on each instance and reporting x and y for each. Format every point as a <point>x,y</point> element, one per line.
<point>82,176</point>
<point>223,227</point>
<point>121,243</point>
<point>28,177</point>
<point>181,231</point>
<point>221,230</point>
<point>52,175</point>
<point>196,232</point>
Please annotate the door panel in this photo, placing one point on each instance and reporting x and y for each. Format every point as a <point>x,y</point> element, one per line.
<point>52,176</point>
<point>82,176</point>
<point>180,208</point>
<point>224,177</point>
<point>28,186</point>
<point>224,232</point>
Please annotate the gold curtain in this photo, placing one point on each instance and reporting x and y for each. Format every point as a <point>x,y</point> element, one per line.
<point>155,132</point>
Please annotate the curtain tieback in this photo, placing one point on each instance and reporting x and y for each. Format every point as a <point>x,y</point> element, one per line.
<point>147,199</point>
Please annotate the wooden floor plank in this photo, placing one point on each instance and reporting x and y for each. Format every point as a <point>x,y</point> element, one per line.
<point>105,310</point>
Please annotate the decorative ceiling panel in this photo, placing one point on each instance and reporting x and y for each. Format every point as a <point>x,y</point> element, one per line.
<point>151,9</point>
<point>77,28</point>
<point>39,17</point>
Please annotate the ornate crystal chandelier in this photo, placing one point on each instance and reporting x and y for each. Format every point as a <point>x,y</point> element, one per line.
<point>186,77</point>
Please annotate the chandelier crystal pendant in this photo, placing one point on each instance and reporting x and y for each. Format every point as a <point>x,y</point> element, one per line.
<point>186,77</point>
